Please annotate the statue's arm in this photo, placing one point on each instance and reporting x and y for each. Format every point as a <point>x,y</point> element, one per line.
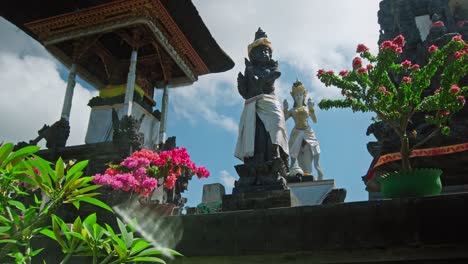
<point>310,105</point>
<point>242,85</point>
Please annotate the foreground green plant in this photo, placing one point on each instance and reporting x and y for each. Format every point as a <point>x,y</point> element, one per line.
<point>396,91</point>
<point>23,176</point>
<point>103,244</point>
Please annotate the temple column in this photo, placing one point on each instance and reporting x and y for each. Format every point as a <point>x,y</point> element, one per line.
<point>162,125</point>
<point>67,101</point>
<point>128,103</point>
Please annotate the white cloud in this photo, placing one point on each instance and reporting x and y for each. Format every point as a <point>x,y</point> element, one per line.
<point>306,35</point>
<point>227,179</point>
<point>32,95</point>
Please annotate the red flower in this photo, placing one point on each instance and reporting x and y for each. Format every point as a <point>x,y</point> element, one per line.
<point>432,48</point>
<point>343,73</point>
<point>369,66</point>
<point>407,79</point>
<point>457,55</point>
<point>406,64</point>
<point>399,41</point>
<point>382,89</point>
<point>357,62</point>
<point>437,91</point>
<point>361,48</point>
<point>398,50</point>
<point>330,72</point>
<point>415,66</point>
<point>458,38</point>
<point>461,99</point>
<point>443,113</point>
<point>454,89</point>
<point>320,72</point>
<point>438,24</point>
<point>386,44</point>
<point>362,70</point>
<point>343,92</point>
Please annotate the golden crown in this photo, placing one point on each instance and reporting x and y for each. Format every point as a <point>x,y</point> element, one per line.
<point>259,42</point>
<point>298,87</point>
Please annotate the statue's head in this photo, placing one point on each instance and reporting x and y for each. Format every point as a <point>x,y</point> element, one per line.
<point>298,93</point>
<point>260,50</point>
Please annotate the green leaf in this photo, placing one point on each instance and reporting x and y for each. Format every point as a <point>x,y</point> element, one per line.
<point>5,150</point>
<point>95,201</point>
<point>90,219</point>
<point>48,233</point>
<point>20,154</point>
<point>138,245</point>
<point>122,252</point>
<point>148,259</point>
<point>76,204</point>
<point>4,241</point>
<point>127,238</point>
<point>37,251</point>
<point>59,170</point>
<point>4,229</point>
<point>78,167</point>
<point>18,205</point>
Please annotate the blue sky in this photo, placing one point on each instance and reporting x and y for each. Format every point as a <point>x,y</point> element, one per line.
<point>306,35</point>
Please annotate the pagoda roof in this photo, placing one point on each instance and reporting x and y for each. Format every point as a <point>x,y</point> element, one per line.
<point>194,46</point>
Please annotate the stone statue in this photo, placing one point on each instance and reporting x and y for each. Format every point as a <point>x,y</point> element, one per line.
<point>303,144</point>
<point>262,142</point>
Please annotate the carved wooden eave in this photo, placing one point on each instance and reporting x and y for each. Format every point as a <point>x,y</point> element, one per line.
<point>162,44</point>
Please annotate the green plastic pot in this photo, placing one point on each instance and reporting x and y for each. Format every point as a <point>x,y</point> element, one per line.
<point>415,183</point>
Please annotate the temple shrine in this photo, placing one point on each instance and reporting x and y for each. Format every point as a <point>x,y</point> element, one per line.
<point>125,49</point>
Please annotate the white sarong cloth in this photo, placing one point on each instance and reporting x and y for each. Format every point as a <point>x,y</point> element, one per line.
<point>269,110</point>
<point>298,136</point>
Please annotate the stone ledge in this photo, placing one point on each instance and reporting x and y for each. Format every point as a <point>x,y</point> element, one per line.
<point>359,227</point>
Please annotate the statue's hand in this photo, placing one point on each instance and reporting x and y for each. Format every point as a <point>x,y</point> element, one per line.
<point>241,85</point>
<point>248,69</point>
<point>310,103</point>
<point>285,104</point>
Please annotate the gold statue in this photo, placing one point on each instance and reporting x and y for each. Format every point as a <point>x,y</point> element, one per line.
<point>303,144</point>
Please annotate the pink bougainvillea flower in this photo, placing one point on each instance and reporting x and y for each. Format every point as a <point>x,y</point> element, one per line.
<point>362,70</point>
<point>432,48</point>
<point>407,79</point>
<point>357,63</point>
<point>361,48</point>
<point>369,67</point>
<point>343,73</point>
<point>406,64</point>
<point>454,89</point>
<point>437,91</point>
<point>383,89</point>
<point>330,72</point>
<point>202,172</point>
<point>415,67</point>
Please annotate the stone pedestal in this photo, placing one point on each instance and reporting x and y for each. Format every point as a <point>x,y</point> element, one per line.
<point>257,200</point>
<point>211,199</point>
<point>310,192</point>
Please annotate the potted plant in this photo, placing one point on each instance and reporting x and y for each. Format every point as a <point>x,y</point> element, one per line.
<point>395,90</point>
<point>145,170</point>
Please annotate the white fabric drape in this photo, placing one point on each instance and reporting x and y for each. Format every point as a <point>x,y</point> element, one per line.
<point>298,136</point>
<point>269,110</point>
